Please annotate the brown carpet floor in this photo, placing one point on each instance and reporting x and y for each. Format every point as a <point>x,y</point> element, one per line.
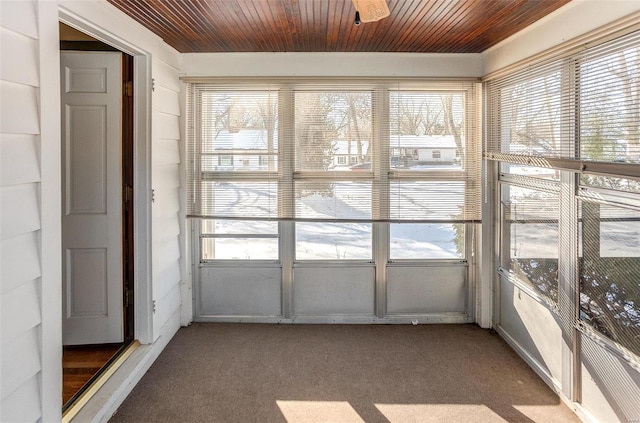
<point>340,373</point>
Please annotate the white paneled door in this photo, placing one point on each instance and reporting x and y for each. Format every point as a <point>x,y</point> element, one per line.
<point>92,197</point>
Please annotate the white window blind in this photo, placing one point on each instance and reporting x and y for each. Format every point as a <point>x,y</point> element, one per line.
<point>583,106</point>
<point>609,101</point>
<point>434,153</point>
<point>335,151</point>
<point>233,152</point>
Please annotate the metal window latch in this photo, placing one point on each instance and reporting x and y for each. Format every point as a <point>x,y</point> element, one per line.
<point>153,195</point>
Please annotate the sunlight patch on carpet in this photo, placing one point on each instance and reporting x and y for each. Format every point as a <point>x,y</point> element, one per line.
<point>438,413</point>
<point>319,412</point>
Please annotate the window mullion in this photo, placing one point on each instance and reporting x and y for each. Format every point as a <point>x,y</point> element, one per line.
<point>380,193</point>
<point>286,165</point>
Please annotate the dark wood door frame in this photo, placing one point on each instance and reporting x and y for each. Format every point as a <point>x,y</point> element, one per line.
<point>128,261</point>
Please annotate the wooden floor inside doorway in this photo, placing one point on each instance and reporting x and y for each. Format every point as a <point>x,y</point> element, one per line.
<point>81,363</point>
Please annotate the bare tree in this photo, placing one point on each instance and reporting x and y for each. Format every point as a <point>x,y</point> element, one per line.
<point>452,123</point>
<point>352,115</point>
<point>626,66</point>
<point>268,112</point>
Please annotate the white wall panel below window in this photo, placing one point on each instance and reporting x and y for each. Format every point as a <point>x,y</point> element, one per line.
<point>325,291</point>
<point>420,290</point>
<point>239,291</point>
<point>619,401</point>
<point>534,328</point>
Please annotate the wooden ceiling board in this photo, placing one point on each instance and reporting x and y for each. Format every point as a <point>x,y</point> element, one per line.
<point>421,26</point>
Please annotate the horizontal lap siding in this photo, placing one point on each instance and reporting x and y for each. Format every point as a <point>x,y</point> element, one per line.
<point>20,270</point>
<point>19,212</point>
<point>19,159</point>
<point>22,405</point>
<point>22,302</point>
<point>166,152</point>
<point>20,261</point>
<point>167,224</point>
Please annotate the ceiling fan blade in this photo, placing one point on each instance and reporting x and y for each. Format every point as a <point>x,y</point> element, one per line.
<point>371,10</point>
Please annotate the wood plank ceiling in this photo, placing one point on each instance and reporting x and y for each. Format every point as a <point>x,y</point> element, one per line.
<point>425,26</point>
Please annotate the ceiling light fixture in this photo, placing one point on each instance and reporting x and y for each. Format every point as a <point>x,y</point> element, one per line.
<point>370,10</point>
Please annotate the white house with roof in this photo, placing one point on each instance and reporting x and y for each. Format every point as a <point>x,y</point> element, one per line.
<point>345,152</point>
<point>423,149</point>
<point>246,149</point>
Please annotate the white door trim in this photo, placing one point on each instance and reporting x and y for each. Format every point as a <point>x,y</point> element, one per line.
<point>142,169</point>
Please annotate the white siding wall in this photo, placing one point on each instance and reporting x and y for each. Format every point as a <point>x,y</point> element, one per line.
<point>21,226</point>
<point>168,219</point>
<point>30,291</point>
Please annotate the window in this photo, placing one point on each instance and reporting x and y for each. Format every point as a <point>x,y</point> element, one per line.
<point>530,171</point>
<point>529,245</point>
<point>334,158</point>
<point>533,111</point>
<point>610,272</point>
<point>426,241</point>
<point>333,241</point>
<point>564,133</point>
<point>609,106</point>
<point>429,129</point>
<point>327,122</point>
<point>237,133</point>
<point>530,115</point>
<point>238,240</point>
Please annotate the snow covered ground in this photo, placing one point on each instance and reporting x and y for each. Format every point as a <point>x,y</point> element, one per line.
<point>331,240</point>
